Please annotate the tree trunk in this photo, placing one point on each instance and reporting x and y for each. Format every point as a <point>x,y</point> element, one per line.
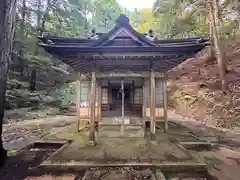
<point>7,15</point>
<point>33,75</point>
<point>22,38</point>
<point>39,32</point>
<point>216,12</point>
<point>33,80</point>
<point>45,18</point>
<point>211,49</point>
<point>219,55</point>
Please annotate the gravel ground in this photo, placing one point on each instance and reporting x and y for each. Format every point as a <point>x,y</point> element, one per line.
<point>19,135</point>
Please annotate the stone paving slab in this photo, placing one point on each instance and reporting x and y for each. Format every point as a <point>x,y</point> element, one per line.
<point>122,149</point>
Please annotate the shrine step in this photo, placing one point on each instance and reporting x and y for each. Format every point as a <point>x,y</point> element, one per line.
<point>118,130</point>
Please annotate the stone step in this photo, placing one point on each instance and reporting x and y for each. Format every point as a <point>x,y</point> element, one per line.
<point>118,126</point>
<point>111,134</point>
<point>109,128</point>
<point>198,145</point>
<point>114,130</point>
<point>134,133</point>
<point>133,127</point>
<point>116,134</point>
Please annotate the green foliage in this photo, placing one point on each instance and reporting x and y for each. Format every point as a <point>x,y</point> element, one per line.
<point>67,94</point>
<point>16,84</point>
<point>178,18</point>
<point>105,13</point>
<point>76,18</point>
<point>40,61</point>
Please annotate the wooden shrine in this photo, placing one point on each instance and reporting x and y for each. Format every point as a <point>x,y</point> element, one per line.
<point>122,73</point>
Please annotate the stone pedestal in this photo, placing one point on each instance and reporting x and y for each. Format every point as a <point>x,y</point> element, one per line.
<point>153,138</point>
<point>91,141</point>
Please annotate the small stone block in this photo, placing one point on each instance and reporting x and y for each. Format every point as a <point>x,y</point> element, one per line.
<point>153,138</point>
<point>154,142</point>
<point>91,136</point>
<point>91,143</point>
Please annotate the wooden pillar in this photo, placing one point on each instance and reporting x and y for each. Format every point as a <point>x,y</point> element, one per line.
<point>144,105</point>
<point>92,108</point>
<point>78,89</point>
<point>109,95</point>
<point>122,121</point>
<point>90,100</point>
<point>100,102</point>
<point>165,101</point>
<point>144,101</point>
<point>152,106</point>
<point>122,89</point>
<point>133,94</point>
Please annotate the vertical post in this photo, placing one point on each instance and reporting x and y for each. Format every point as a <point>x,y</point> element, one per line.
<point>165,101</point>
<point>152,106</point>
<point>133,94</point>
<point>78,88</point>
<point>92,108</point>
<point>144,101</point>
<point>144,105</point>
<point>122,89</point>
<point>100,102</point>
<point>108,94</point>
<point>122,122</point>
<point>97,102</point>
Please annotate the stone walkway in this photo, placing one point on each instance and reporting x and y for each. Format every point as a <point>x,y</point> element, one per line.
<point>223,161</point>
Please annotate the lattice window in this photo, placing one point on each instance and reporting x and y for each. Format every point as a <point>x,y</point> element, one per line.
<point>148,94</point>
<point>84,93</point>
<point>97,95</point>
<point>104,96</point>
<point>138,96</point>
<point>159,93</point>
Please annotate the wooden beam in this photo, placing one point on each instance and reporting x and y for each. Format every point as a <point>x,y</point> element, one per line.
<point>152,105</point>
<point>78,89</point>
<point>92,108</point>
<point>165,101</point>
<point>128,74</point>
<point>133,54</point>
<point>121,57</point>
<point>118,68</point>
<point>117,62</point>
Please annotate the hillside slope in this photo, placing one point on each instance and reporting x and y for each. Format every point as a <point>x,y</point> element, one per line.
<point>195,88</point>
